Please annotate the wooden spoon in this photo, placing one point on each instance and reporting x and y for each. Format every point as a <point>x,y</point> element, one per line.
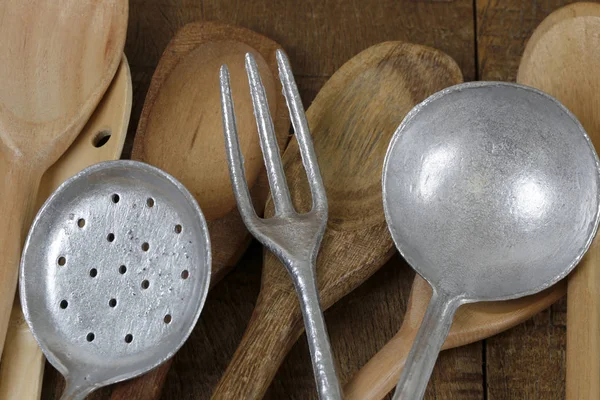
<point>564,61</point>
<point>472,322</point>
<point>351,120</point>
<point>102,139</point>
<point>180,131</point>
<point>56,60</point>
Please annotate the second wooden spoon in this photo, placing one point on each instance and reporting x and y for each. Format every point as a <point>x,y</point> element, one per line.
<point>351,121</point>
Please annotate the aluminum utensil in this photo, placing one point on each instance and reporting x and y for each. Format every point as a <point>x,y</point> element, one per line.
<point>491,192</point>
<point>294,238</point>
<point>114,273</point>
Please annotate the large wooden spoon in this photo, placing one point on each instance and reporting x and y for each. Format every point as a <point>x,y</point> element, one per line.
<point>564,60</point>
<point>352,120</point>
<point>102,139</point>
<point>56,60</point>
<point>472,322</point>
<point>180,131</point>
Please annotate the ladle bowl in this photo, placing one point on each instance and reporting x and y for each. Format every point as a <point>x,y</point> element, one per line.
<point>491,192</point>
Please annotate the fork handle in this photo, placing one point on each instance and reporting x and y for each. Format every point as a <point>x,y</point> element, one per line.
<point>305,282</point>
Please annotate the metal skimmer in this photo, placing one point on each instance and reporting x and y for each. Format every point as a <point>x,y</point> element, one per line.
<point>114,273</point>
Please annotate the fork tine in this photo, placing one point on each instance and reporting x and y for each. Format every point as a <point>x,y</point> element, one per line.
<point>307,151</point>
<point>268,141</point>
<point>232,146</point>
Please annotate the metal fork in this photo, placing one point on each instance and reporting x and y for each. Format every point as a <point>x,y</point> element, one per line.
<point>294,238</point>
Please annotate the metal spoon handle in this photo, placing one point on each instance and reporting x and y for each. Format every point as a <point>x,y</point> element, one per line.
<point>316,332</point>
<point>426,347</point>
<point>76,390</point>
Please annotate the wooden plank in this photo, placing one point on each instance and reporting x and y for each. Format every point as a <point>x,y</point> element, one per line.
<point>319,37</point>
<point>527,362</point>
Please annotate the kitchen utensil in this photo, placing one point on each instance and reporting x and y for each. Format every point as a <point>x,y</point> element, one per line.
<point>51,84</point>
<point>491,192</point>
<point>351,120</point>
<point>294,238</point>
<point>114,273</point>
<point>102,139</point>
<point>180,131</point>
<point>472,322</point>
<point>558,60</point>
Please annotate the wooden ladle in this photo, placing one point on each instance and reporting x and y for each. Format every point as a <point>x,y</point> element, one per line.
<point>474,322</point>
<point>101,139</point>
<point>56,60</point>
<point>563,59</point>
<point>351,121</point>
<point>180,131</point>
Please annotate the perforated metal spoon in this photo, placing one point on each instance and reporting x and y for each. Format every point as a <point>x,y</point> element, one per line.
<point>114,273</point>
<point>491,192</point>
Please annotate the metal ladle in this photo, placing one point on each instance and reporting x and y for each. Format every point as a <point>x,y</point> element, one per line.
<point>491,192</point>
<point>114,273</point>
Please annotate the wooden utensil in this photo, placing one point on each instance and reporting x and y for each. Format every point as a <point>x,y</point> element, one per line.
<point>563,58</point>
<point>180,131</point>
<point>351,120</point>
<point>56,60</point>
<point>102,139</point>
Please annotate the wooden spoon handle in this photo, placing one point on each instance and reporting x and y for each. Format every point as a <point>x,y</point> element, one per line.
<point>22,365</point>
<point>18,190</point>
<point>268,338</point>
<point>583,327</point>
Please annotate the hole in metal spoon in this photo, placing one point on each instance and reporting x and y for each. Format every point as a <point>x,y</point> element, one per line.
<point>112,303</point>
<point>101,138</point>
<point>178,228</point>
<point>115,198</point>
<point>145,284</point>
<point>145,246</point>
<point>150,202</point>
<point>93,272</point>
<point>185,274</point>
<point>62,261</point>
<point>122,269</point>
<point>81,222</point>
<point>167,319</point>
<point>90,337</point>
<point>128,338</point>
<point>110,237</point>
<point>64,304</point>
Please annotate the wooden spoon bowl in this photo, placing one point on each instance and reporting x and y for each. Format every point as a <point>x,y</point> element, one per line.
<point>101,139</point>
<point>351,121</point>
<point>180,131</point>
<point>51,84</point>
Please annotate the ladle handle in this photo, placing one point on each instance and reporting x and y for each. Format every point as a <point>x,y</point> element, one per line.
<point>426,347</point>
<point>305,282</point>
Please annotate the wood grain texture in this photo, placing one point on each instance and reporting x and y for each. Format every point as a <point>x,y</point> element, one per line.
<point>558,60</point>
<point>352,120</point>
<point>50,85</point>
<point>101,139</point>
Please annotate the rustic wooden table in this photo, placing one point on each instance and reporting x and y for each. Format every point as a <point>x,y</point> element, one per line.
<point>486,38</point>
